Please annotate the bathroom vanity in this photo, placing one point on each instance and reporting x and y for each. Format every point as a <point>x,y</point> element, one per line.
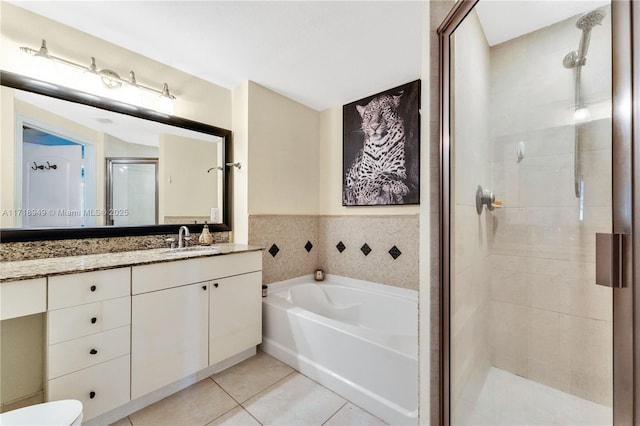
<point>124,330</point>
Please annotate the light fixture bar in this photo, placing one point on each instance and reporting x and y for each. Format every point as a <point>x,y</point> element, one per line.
<point>110,78</point>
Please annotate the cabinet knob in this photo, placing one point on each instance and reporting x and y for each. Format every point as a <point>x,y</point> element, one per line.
<point>204,287</point>
<point>93,351</point>
<point>215,285</point>
<point>93,288</point>
<point>92,394</point>
<point>93,320</point>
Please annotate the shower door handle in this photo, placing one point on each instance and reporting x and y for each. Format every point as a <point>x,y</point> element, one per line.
<point>609,258</point>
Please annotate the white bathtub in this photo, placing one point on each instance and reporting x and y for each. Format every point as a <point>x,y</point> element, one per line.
<point>357,338</point>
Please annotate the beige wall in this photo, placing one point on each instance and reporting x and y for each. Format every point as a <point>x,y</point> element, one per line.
<point>186,188</point>
<point>240,224</point>
<point>283,153</point>
<point>22,366</point>
<point>471,159</point>
<point>330,169</point>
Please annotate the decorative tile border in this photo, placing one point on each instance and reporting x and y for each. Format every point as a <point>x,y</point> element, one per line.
<point>298,245</point>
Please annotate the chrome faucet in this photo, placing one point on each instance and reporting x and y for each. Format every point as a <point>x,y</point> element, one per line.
<point>183,237</point>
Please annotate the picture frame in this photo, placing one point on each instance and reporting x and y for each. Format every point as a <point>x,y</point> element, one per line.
<point>381,148</point>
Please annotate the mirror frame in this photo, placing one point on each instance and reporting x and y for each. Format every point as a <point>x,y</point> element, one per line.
<point>17,81</point>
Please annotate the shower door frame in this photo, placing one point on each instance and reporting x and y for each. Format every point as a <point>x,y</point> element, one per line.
<point>625,193</point>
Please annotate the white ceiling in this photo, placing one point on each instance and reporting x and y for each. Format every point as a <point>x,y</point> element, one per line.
<point>503,20</point>
<point>319,53</point>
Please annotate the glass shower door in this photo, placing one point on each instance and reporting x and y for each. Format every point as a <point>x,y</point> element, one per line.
<point>132,191</point>
<point>529,334</point>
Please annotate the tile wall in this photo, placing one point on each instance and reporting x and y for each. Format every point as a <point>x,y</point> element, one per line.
<point>549,321</point>
<point>382,249</point>
<point>471,166</point>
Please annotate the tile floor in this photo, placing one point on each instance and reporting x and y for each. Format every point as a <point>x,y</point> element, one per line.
<point>507,399</point>
<point>258,391</point>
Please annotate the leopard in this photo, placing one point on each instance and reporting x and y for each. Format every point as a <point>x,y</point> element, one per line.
<point>377,174</point>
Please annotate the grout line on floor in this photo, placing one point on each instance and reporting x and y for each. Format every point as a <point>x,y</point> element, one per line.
<point>268,387</point>
<point>331,416</point>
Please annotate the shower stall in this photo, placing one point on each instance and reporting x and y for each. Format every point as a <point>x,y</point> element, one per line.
<point>527,177</point>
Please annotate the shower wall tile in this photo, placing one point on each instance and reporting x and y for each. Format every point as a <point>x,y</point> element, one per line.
<point>290,234</point>
<point>595,165</point>
<point>507,236</point>
<point>542,250</point>
<point>591,342</point>
<point>596,136</point>
<point>380,233</point>
<point>470,263</point>
<point>508,325</point>
<point>472,234</point>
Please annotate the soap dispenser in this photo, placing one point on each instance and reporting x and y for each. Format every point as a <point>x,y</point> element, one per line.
<point>206,239</point>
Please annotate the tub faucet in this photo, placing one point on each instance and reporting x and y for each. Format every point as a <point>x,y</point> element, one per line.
<point>183,237</point>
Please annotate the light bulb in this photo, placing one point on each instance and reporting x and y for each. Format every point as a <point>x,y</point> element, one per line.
<point>130,92</point>
<point>91,82</point>
<point>165,103</point>
<point>43,67</point>
<point>581,115</point>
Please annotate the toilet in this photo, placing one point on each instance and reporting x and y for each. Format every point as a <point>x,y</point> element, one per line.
<point>67,412</point>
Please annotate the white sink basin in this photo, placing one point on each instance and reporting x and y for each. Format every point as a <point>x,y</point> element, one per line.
<point>191,249</point>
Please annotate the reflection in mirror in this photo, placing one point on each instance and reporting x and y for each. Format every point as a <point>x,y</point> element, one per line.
<point>79,166</point>
<point>132,191</point>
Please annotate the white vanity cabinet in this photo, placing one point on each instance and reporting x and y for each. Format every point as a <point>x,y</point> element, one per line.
<point>88,339</point>
<point>130,334</point>
<point>169,335</point>
<point>235,312</point>
<point>190,314</point>
<point>21,298</point>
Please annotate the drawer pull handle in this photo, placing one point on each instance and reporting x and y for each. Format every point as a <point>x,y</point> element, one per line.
<point>93,288</point>
<point>93,351</point>
<point>93,320</point>
<point>215,285</point>
<point>92,395</point>
<point>204,287</point>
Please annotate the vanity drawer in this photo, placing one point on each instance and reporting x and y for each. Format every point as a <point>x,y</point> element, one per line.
<point>100,388</point>
<point>83,320</point>
<point>88,287</point>
<point>67,357</point>
<point>160,276</point>
<point>20,298</point>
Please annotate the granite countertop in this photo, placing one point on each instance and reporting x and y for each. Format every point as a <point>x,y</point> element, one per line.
<point>38,268</point>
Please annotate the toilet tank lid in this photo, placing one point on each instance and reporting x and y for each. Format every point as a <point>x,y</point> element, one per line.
<point>63,412</point>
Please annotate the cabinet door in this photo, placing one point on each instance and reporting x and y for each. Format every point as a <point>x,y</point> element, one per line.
<point>169,336</point>
<point>235,315</point>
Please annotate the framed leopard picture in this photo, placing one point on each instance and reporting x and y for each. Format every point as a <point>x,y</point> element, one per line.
<point>381,148</point>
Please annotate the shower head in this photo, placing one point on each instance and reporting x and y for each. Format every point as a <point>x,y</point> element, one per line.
<point>590,20</point>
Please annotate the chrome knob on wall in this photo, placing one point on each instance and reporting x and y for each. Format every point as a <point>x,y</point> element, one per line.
<point>484,196</point>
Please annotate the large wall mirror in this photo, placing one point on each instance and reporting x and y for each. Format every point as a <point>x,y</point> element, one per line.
<point>84,166</point>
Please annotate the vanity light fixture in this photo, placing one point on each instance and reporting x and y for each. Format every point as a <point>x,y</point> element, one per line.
<point>127,90</point>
